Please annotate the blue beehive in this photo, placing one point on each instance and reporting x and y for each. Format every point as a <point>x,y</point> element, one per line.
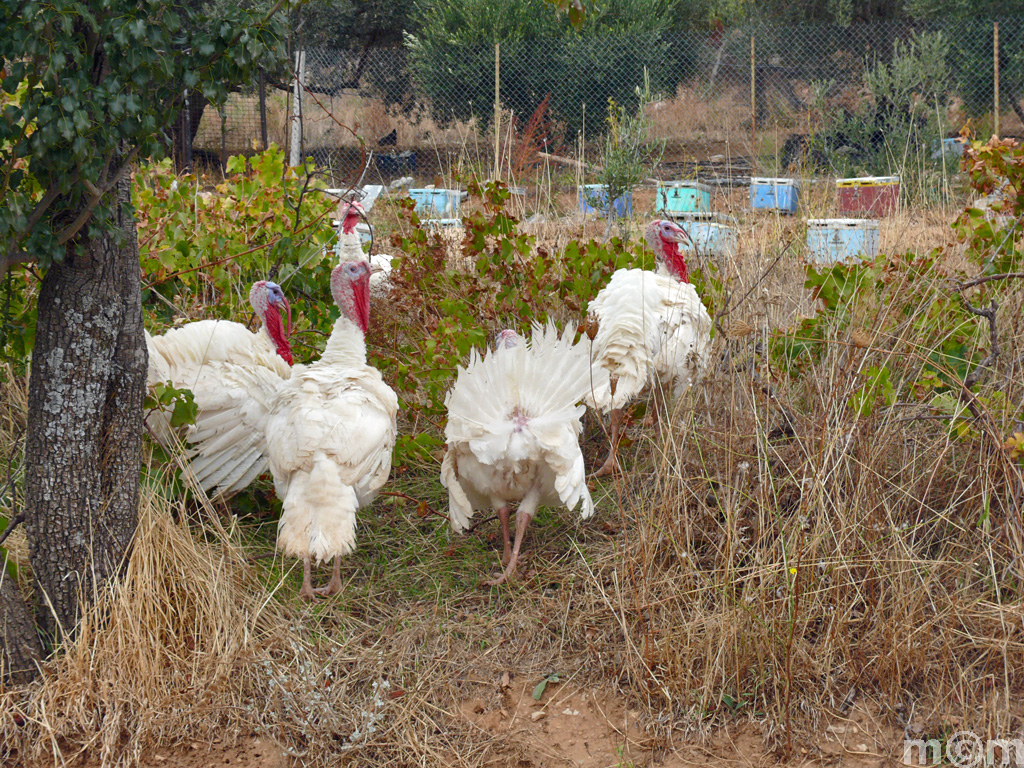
<point>841,241</point>
<point>683,197</point>
<point>710,233</point>
<point>774,194</point>
<point>950,148</point>
<point>444,202</point>
<point>593,198</point>
<point>442,223</point>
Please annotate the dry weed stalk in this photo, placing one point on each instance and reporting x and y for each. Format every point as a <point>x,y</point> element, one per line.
<point>794,554</point>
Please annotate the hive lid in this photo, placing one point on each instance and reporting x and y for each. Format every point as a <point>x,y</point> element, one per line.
<point>700,216</point>
<point>868,181</point>
<point>842,224</point>
<point>778,182</point>
<point>685,185</point>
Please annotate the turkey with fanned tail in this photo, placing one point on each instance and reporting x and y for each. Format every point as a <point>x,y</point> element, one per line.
<point>513,433</point>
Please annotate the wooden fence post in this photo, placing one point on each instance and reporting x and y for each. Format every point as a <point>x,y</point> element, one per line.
<point>995,62</point>
<point>498,107</point>
<point>753,104</point>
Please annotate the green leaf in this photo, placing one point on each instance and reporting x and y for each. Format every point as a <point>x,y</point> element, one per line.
<point>236,164</point>
<point>185,410</point>
<point>538,691</point>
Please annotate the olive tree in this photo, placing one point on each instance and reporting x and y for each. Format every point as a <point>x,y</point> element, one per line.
<point>89,89</point>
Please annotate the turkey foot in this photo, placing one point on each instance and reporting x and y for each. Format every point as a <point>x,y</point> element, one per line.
<point>610,466</point>
<point>334,585</point>
<point>509,570</point>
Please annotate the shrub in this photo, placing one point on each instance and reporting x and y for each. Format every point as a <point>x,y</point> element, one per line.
<point>452,56</point>
<point>441,313</point>
<point>200,249</point>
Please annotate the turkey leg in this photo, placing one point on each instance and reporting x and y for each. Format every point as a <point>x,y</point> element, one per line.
<point>527,508</point>
<point>334,585</point>
<point>611,463</point>
<point>506,554</point>
<point>307,593</point>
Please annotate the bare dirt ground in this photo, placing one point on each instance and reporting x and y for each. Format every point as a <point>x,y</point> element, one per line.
<point>583,727</point>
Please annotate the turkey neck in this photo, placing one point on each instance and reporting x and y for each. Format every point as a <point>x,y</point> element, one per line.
<point>346,346</point>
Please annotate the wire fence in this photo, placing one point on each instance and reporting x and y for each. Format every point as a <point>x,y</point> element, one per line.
<point>865,99</point>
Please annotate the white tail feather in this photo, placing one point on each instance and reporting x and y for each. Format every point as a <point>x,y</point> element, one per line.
<point>319,515</point>
<point>513,426</point>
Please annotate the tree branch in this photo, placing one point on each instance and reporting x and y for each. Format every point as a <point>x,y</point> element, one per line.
<point>13,523</point>
<point>45,202</point>
<point>95,195</point>
<point>990,278</point>
<point>990,314</point>
<point>19,257</point>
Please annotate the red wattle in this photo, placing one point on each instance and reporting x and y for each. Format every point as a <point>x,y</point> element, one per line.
<point>676,262</point>
<point>275,329</point>
<point>361,301</point>
<point>348,226</point>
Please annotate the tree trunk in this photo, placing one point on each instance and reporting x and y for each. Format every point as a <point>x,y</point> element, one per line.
<point>184,129</point>
<point>83,444</point>
<point>19,642</point>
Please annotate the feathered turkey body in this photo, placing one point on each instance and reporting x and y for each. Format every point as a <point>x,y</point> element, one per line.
<point>350,248</point>
<point>188,356</point>
<point>513,433</point>
<point>327,432</point>
<point>652,329</point>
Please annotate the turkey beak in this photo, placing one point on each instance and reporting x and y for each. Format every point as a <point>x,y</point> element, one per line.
<point>375,268</point>
<point>287,316</point>
<point>680,236</point>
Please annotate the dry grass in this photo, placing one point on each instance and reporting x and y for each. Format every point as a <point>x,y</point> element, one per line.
<point>775,558</point>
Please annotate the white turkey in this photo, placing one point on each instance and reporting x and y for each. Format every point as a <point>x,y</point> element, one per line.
<point>327,432</point>
<point>350,248</point>
<point>185,355</point>
<point>652,329</point>
<point>513,433</point>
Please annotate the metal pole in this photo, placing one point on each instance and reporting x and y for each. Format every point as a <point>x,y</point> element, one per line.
<point>295,155</point>
<point>263,112</point>
<point>187,138</point>
<point>995,62</point>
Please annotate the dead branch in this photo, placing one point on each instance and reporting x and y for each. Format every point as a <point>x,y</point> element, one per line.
<point>990,314</point>
<point>990,278</point>
<point>581,164</point>
<point>11,525</point>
